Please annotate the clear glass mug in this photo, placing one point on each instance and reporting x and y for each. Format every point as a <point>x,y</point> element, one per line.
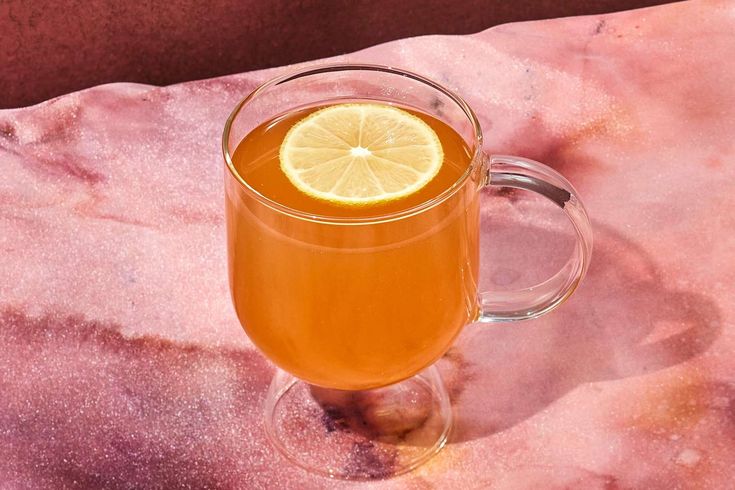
<point>354,311</point>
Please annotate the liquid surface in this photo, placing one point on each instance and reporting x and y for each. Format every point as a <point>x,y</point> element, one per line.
<point>256,160</point>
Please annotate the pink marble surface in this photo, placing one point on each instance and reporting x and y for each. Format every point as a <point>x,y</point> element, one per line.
<point>122,364</point>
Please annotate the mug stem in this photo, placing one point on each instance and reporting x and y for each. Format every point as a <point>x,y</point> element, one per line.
<point>359,435</point>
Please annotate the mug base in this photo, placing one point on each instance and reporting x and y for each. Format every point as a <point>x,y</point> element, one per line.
<point>359,435</point>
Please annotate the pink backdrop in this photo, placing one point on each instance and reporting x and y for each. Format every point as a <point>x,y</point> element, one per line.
<point>122,364</point>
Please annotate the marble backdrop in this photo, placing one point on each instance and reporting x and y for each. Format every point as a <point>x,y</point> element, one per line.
<point>122,364</point>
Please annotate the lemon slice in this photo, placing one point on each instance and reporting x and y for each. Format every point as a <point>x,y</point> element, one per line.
<point>360,154</point>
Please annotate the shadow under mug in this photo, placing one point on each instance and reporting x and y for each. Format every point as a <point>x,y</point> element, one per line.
<point>355,311</point>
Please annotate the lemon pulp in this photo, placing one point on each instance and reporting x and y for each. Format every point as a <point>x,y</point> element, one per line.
<point>360,154</point>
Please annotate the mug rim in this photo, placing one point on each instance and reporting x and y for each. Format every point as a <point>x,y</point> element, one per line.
<point>335,220</point>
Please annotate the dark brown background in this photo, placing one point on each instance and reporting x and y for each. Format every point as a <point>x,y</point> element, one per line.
<point>51,47</point>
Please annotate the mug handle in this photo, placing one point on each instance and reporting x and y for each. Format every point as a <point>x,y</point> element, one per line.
<point>524,304</point>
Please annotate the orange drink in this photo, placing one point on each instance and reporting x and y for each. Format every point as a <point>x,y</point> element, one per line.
<point>351,296</point>
<point>353,205</point>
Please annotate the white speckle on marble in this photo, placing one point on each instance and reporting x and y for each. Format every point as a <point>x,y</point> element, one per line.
<point>688,457</point>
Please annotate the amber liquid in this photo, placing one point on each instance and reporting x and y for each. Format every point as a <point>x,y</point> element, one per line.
<point>351,306</point>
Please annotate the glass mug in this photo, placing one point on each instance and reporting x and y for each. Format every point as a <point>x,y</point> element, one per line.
<point>356,310</point>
